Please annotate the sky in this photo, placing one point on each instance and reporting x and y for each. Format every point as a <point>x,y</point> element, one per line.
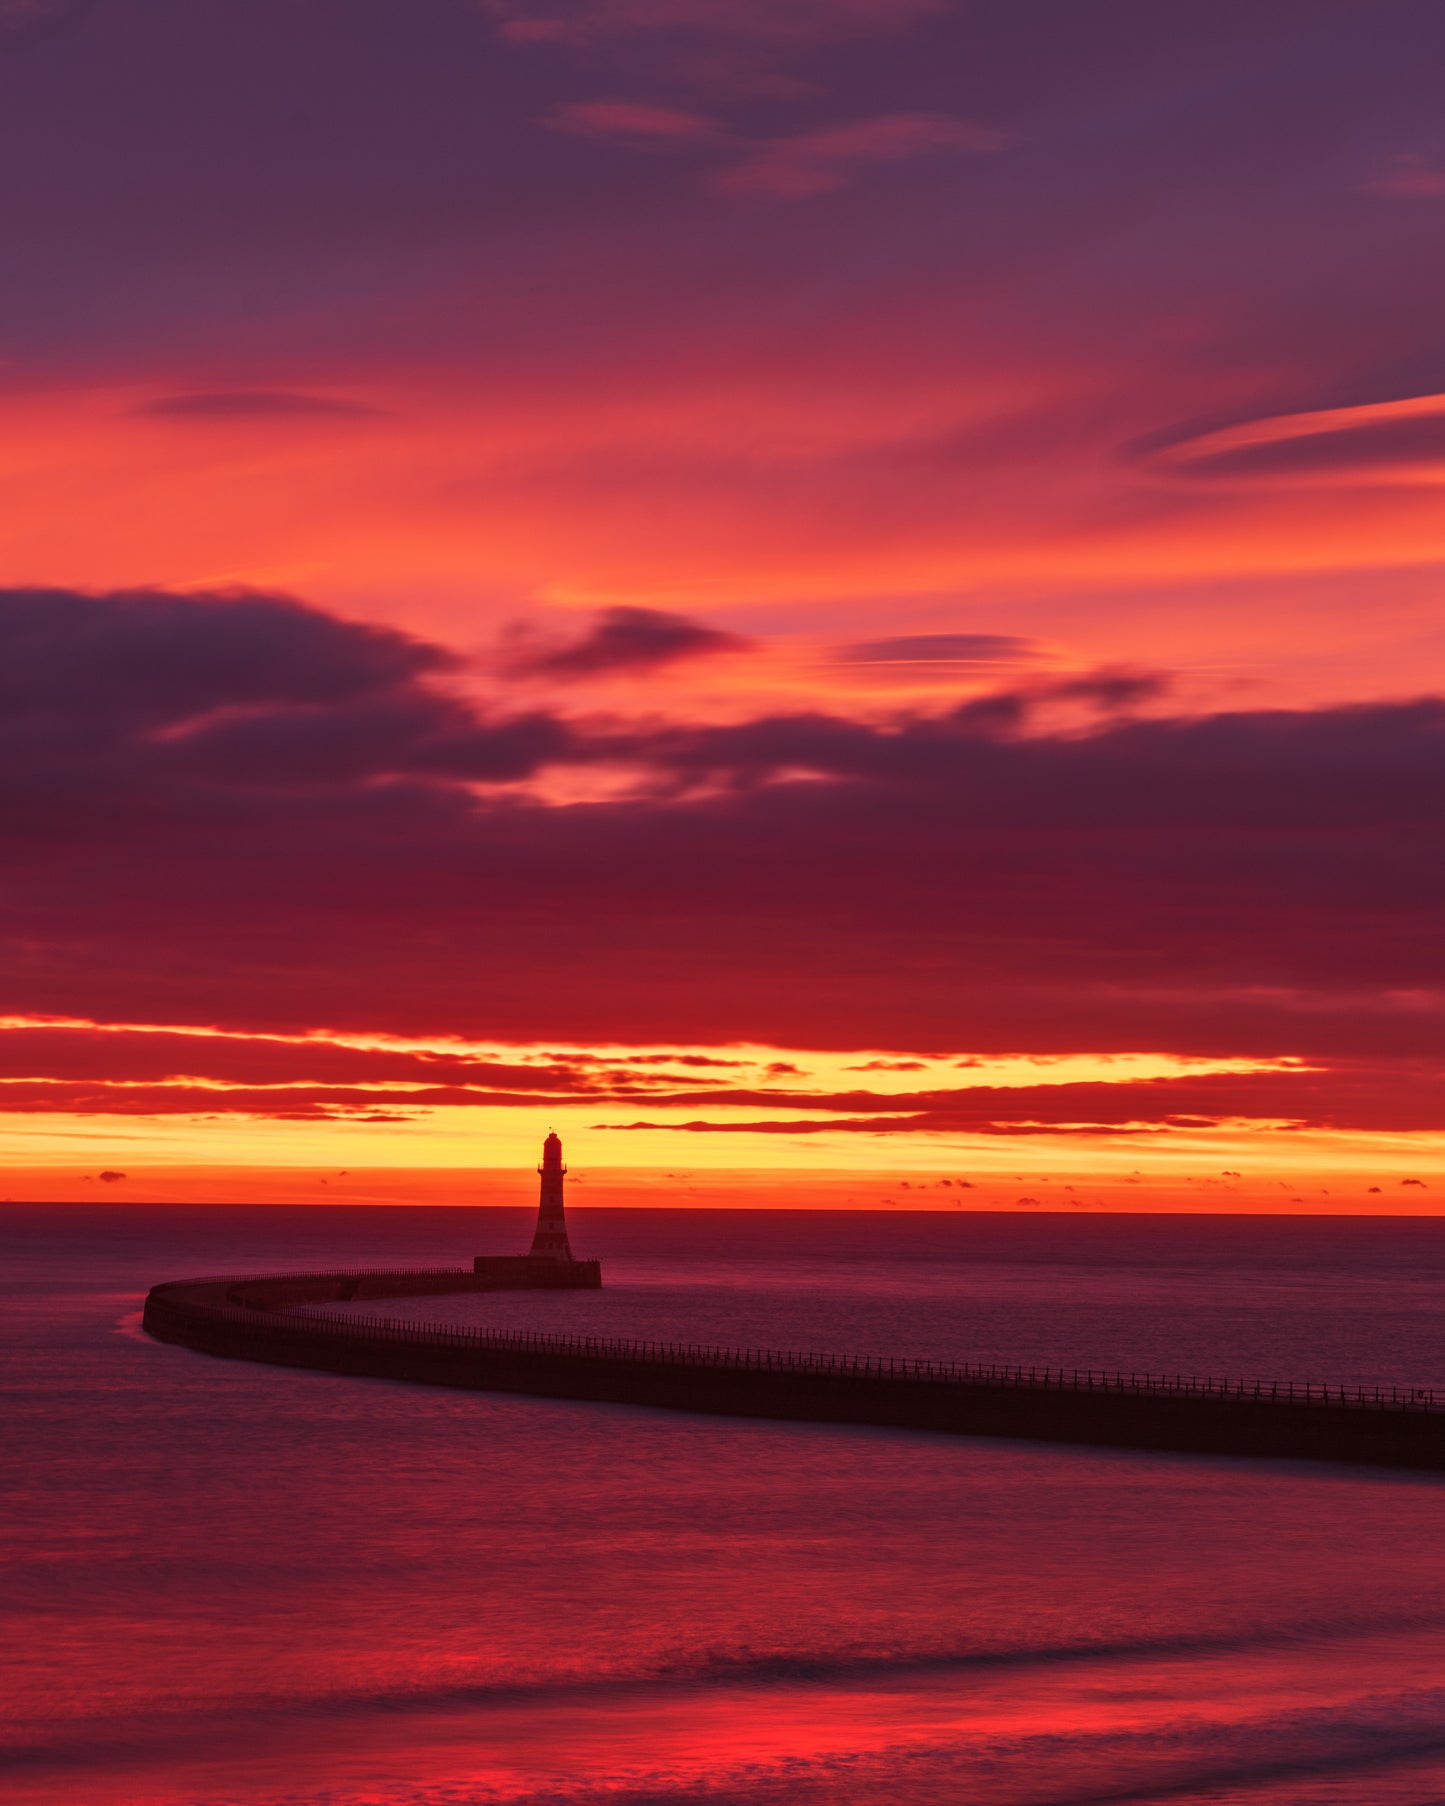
<point>840,588</point>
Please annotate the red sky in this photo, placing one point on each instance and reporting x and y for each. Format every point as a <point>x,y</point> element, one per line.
<point>824,585</point>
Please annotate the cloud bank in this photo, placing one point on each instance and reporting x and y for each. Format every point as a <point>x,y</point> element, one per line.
<point>241,810</point>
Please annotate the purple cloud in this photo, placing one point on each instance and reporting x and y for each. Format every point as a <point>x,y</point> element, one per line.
<point>255,404</point>
<point>1329,445</point>
<point>633,122</point>
<point>24,20</point>
<point>967,649</point>
<point>770,21</point>
<point>1411,176</point>
<point>817,162</point>
<point>183,775</point>
<point>631,640</point>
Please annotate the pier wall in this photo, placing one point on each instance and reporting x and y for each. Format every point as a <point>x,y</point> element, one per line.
<point>258,1320</point>
<point>488,1273</point>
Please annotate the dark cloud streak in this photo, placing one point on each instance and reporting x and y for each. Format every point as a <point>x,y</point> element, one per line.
<point>970,649</point>
<point>240,810</point>
<point>268,405</point>
<point>27,21</point>
<point>626,640</point>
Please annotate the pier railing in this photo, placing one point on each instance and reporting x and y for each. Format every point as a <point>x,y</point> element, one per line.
<point>352,1326</point>
<point>234,1278</point>
<point>776,1360</point>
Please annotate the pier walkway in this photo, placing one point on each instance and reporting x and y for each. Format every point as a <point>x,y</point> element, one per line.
<point>273,1318</point>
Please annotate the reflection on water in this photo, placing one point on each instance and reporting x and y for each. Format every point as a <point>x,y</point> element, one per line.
<point>238,1586</point>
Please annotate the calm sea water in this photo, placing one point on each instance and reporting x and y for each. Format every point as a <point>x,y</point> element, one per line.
<point>227,1585</point>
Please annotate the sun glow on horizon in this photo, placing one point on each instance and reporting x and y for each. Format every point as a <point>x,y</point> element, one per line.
<point>455,1104</point>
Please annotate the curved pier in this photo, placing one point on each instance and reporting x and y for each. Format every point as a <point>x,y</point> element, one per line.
<point>268,1319</point>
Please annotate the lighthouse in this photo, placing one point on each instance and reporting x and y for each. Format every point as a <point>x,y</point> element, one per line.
<point>551,1237</point>
<point>550,1264</point>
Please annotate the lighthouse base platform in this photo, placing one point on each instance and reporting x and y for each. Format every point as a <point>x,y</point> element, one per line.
<point>536,1272</point>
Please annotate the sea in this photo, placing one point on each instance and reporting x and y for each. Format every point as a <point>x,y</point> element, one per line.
<point>223,1584</point>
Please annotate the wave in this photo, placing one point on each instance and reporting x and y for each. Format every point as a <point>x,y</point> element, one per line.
<point>1393,1750</point>
<point>98,1743</point>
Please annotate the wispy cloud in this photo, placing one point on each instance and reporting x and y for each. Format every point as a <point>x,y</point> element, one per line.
<point>23,19</point>
<point>817,162</point>
<point>1376,441</point>
<point>77,1068</point>
<point>769,21</point>
<point>254,404</point>
<point>633,122</point>
<point>792,166</point>
<point>1410,177</point>
<point>947,649</point>
<point>627,640</point>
